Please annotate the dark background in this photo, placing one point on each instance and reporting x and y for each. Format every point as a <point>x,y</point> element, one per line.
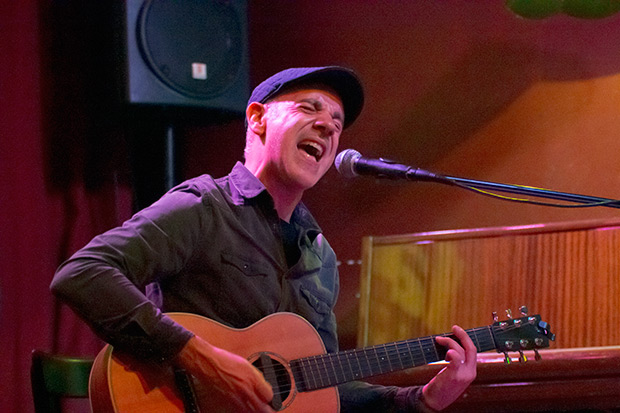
<point>464,88</point>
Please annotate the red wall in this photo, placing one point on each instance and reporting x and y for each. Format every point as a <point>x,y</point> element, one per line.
<point>459,87</point>
<point>464,88</point>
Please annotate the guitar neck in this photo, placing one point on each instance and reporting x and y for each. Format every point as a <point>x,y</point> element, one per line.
<point>317,372</point>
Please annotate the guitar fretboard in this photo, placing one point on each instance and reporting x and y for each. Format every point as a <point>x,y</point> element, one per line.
<point>317,372</point>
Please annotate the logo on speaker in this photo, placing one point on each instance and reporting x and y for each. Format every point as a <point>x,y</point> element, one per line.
<point>199,71</point>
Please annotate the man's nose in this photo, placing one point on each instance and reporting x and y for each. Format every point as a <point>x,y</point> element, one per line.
<point>326,124</point>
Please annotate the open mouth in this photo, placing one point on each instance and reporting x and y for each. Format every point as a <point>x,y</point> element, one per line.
<point>312,149</point>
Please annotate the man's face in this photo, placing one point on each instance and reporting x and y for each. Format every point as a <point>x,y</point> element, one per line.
<point>302,131</point>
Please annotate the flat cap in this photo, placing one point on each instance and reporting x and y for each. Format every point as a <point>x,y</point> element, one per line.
<point>342,80</point>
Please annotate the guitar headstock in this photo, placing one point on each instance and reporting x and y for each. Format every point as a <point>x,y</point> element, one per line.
<point>518,334</point>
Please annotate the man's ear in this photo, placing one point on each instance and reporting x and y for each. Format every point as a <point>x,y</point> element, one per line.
<point>255,114</point>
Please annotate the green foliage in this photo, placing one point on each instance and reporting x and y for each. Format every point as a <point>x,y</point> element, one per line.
<point>585,9</point>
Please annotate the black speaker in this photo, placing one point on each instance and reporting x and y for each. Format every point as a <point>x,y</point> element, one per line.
<point>187,53</point>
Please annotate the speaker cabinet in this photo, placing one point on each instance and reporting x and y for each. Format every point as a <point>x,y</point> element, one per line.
<point>187,53</point>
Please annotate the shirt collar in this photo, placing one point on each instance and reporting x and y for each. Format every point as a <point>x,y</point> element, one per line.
<point>303,217</point>
<point>246,186</point>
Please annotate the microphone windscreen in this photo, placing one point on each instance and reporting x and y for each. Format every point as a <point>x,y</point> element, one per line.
<point>345,162</point>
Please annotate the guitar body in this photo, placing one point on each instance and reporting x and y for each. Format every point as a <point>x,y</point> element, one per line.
<point>121,384</point>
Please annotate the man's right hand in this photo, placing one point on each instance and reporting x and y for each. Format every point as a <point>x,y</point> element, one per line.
<point>235,381</point>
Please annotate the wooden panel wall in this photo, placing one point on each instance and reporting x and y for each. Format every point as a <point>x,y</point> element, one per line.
<point>421,284</point>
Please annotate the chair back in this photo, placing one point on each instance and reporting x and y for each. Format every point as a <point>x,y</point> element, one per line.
<point>54,377</point>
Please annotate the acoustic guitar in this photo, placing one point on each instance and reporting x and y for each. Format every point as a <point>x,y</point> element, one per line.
<point>290,354</point>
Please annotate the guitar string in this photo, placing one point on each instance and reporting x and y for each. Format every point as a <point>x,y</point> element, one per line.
<point>394,351</point>
<point>321,368</point>
<point>318,369</point>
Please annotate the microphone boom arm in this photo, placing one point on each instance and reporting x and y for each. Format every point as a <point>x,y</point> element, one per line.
<point>533,191</point>
<point>350,163</point>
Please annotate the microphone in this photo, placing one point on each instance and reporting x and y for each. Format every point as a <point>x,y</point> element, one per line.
<point>350,163</point>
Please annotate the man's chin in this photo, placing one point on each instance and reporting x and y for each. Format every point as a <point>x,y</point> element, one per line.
<point>306,181</point>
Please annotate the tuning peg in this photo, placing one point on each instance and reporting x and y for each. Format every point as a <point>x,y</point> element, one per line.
<point>495,317</point>
<point>522,357</point>
<point>507,358</point>
<point>523,310</point>
<point>545,327</point>
<point>537,355</point>
<point>509,313</point>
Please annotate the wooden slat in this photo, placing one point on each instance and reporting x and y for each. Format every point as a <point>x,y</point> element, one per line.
<point>421,284</point>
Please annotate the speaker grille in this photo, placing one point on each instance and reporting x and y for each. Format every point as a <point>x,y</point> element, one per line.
<point>193,46</point>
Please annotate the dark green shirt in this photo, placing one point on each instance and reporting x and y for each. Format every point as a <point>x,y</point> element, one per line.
<point>212,247</point>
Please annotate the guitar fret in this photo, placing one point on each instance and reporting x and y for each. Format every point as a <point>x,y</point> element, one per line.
<point>491,339</point>
<point>327,373</point>
<point>298,376</point>
<point>322,376</point>
<point>312,375</point>
<point>308,374</point>
<point>367,362</point>
<point>400,360</point>
<point>375,365</point>
<point>406,355</point>
<point>349,353</point>
<point>475,338</point>
<point>398,355</point>
<point>319,371</point>
<point>411,354</point>
<point>331,360</point>
<point>330,375</point>
<point>431,350</point>
<point>432,344</point>
<point>344,375</point>
<point>347,366</point>
<point>486,343</point>
<point>422,351</point>
<point>359,366</point>
<point>387,357</point>
<point>301,380</point>
<point>341,357</point>
<point>407,348</point>
<point>377,357</point>
<point>487,339</point>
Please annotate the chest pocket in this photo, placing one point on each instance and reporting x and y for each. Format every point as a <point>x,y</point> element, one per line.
<point>248,266</point>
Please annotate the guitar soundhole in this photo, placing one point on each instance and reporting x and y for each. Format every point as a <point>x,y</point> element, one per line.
<point>277,374</point>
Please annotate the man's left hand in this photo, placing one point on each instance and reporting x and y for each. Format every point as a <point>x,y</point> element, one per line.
<point>452,381</point>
